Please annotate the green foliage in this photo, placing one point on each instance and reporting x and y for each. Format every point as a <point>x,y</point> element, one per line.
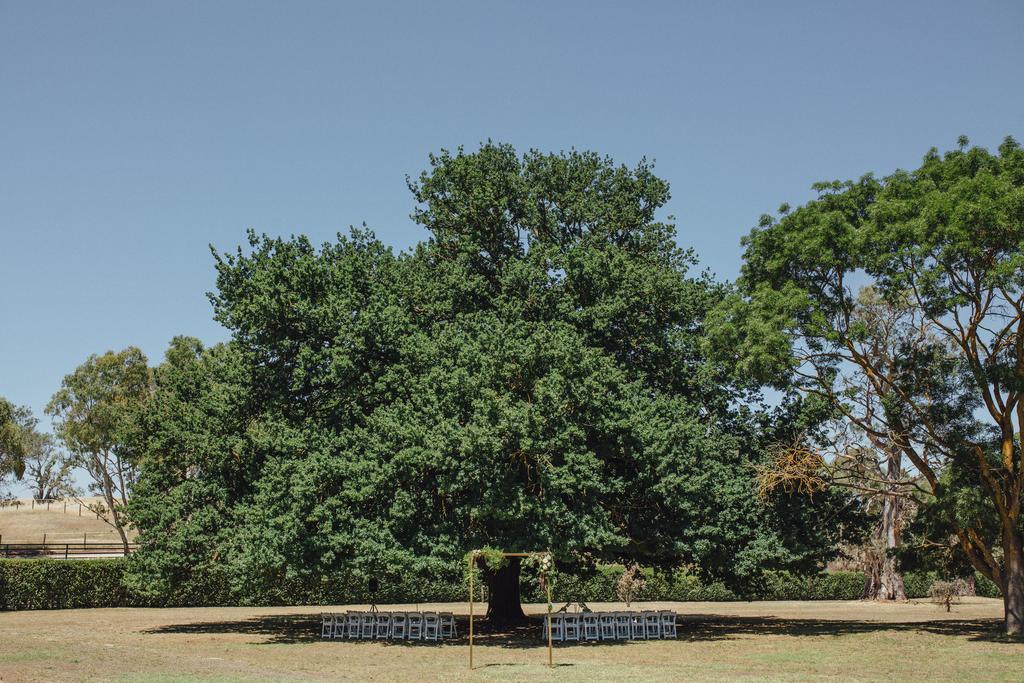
<point>959,501</point>
<point>533,376</point>
<point>984,588</point>
<point>917,583</point>
<point>95,406</point>
<point>12,439</point>
<point>491,558</point>
<point>59,584</point>
<point>97,415</point>
<point>940,249</point>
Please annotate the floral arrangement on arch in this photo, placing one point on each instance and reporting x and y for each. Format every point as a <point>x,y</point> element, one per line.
<point>544,564</point>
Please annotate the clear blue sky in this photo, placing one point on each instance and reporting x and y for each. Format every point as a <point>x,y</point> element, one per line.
<point>134,134</point>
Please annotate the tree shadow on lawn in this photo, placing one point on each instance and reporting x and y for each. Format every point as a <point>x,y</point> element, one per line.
<point>305,628</point>
<point>707,627</point>
<point>284,628</point>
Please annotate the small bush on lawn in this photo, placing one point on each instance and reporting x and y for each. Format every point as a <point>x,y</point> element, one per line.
<point>630,583</point>
<point>947,593</point>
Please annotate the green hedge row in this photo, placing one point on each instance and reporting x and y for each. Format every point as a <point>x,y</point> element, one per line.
<point>683,587</point>
<point>54,584</point>
<point>65,584</point>
<point>61,584</point>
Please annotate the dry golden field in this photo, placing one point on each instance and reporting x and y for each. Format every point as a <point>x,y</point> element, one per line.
<point>23,524</point>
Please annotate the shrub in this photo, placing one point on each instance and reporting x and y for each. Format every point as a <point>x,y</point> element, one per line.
<point>824,586</point>
<point>630,583</point>
<point>985,588</point>
<point>947,593</point>
<point>916,584</point>
<point>62,584</point>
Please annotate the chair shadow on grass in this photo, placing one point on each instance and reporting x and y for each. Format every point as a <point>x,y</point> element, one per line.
<point>305,628</point>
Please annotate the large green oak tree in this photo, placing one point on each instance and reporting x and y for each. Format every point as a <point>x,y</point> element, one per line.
<point>531,377</point>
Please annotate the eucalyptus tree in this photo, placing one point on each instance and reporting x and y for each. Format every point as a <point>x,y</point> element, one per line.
<point>943,243</point>
<point>865,455</point>
<point>31,455</point>
<point>48,468</point>
<point>12,440</point>
<point>95,415</point>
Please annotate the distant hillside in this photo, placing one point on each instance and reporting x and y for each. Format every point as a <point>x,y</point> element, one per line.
<point>23,524</point>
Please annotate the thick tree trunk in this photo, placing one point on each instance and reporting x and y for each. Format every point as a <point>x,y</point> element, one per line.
<point>884,581</point>
<point>891,586</point>
<point>1013,583</point>
<point>891,581</point>
<point>503,604</point>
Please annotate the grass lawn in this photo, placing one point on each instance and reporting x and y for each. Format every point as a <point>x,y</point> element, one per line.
<point>783,641</point>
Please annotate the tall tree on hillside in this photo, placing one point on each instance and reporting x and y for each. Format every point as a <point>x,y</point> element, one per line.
<point>532,377</point>
<point>12,440</point>
<point>47,468</point>
<point>96,417</point>
<point>946,243</point>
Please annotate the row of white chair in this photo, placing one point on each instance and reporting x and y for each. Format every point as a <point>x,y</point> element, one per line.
<point>644,625</point>
<point>388,625</point>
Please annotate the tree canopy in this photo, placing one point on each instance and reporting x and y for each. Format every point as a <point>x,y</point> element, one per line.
<point>12,439</point>
<point>96,415</point>
<point>941,246</point>
<point>532,376</point>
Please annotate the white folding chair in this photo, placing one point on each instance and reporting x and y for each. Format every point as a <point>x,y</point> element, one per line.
<point>367,625</point>
<point>572,627</point>
<point>652,624</point>
<point>431,626</point>
<point>636,626</point>
<point>326,625</point>
<point>382,626</point>
<point>340,626</point>
<point>607,622</point>
<point>354,620</point>
<point>622,625</point>
<point>557,626</point>
<point>590,626</point>
<point>415,626</point>
<point>668,624</point>
<point>447,625</point>
<point>399,624</point>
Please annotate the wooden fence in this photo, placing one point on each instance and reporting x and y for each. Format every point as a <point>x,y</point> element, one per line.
<point>65,551</point>
<point>63,505</point>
